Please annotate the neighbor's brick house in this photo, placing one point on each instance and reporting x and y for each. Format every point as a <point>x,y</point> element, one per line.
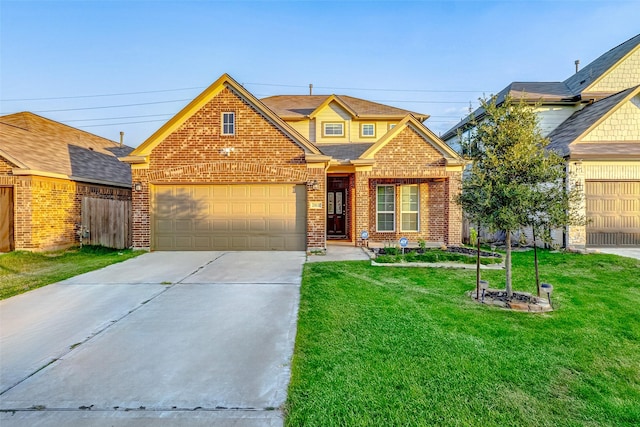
<point>46,170</point>
<point>231,171</point>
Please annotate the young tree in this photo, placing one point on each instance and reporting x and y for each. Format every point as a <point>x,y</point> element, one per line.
<point>509,169</point>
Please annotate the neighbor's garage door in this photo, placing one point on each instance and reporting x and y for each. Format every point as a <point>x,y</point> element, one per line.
<point>613,208</point>
<point>229,217</point>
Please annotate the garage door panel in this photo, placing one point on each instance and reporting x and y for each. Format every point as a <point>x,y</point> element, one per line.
<point>613,209</point>
<point>229,217</point>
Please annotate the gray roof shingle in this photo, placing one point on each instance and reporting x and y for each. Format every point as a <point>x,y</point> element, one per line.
<point>45,145</point>
<point>348,151</point>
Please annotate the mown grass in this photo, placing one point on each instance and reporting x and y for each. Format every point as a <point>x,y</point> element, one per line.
<point>380,346</point>
<point>23,271</point>
<point>435,255</point>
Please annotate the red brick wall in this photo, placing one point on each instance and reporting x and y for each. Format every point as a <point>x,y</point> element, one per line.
<point>192,154</point>
<point>408,159</point>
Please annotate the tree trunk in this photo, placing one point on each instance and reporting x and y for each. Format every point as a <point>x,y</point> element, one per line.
<point>535,261</point>
<point>507,262</point>
<point>478,265</point>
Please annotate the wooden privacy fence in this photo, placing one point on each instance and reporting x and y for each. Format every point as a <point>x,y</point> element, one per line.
<point>106,223</point>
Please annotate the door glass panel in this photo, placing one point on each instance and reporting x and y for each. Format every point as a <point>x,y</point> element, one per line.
<point>339,203</point>
<point>330,205</point>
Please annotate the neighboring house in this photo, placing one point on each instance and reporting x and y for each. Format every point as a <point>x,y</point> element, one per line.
<point>46,170</point>
<point>593,120</point>
<point>232,172</point>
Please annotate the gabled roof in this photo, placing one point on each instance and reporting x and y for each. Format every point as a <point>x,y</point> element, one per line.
<point>347,151</point>
<point>40,146</point>
<point>587,76</point>
<point>224,81</point>
<point>583,121</point>
<point>300,107</point>
<point>567,92</point>
<point>450,155</point>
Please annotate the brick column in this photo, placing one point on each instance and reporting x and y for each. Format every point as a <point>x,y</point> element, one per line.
<point>361,206</point>
<point>140,203</point>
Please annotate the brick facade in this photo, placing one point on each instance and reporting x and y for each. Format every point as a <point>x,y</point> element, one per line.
<point>47,210</point>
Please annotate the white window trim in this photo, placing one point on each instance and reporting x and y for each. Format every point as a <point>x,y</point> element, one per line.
<point>324,130</point>
<point>362,135</point>
<point>386,212</point>
<point>223,124</point>
<point>417,212</point>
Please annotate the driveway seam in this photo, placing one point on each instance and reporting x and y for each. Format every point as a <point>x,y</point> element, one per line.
<point>74,346</point>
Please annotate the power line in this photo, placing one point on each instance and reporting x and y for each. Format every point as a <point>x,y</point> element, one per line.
<point>99,95</point>
<point>108,106</point>
<point>123,123</point>
<point>117,118</point>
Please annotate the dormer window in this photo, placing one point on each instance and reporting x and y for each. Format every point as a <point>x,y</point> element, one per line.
<point>229,123</point>
<point>333,129</point>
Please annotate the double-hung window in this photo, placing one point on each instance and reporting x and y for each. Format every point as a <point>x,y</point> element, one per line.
<point>409,207</point>
<point>333,129</point>
<point>386,208</point>
<point>229,123</point>
<point>368,130</point>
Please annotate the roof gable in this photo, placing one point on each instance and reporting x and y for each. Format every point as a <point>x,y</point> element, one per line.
<point>225,81</point>
<point>584,121</point>
<point>40,146</point>
<point>588,77</point>
<point>450,155</point>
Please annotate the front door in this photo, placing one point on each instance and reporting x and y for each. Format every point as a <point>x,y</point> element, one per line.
<point>337,207</point>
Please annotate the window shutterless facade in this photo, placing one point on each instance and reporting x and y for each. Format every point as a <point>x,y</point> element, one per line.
<point>368,130</point>
<point>333,129</point>
<point>409,208</point>
<point>229,123</point>
<point>386,208</point>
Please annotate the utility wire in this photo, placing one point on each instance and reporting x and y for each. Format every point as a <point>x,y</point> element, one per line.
<point>98,95</point>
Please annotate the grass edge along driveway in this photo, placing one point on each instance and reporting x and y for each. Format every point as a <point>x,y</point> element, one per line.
<point>22,271</point>
<point>405,347</point>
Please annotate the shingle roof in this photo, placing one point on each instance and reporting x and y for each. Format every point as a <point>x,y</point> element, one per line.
<point>298,107</point>
<point>587,75</point>
<point>569,130</point>
<point>39,144</point>
<point>348,151</point>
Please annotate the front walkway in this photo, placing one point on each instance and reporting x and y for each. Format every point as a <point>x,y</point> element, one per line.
<point>627,252</point>
<point>338,252</point>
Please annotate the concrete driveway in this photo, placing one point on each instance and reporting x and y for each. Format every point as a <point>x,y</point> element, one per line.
<point>627,252</point>
<point>167,338</point>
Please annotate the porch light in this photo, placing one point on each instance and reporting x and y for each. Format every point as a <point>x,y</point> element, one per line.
<point>313,185</point>
<point>137,186</point>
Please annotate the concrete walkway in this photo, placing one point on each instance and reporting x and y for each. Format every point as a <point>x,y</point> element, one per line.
<point>167,338</point>
<point>627,252</point>
<point>340,253</point>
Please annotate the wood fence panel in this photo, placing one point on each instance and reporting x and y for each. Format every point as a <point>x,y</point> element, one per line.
<point>6,219</point>
<point>107,222</point>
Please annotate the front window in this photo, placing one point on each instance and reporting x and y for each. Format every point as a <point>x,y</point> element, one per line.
<point>368,130</point>
<point>410,202</point>
<point>333,129</point>
<point>386,208</point>
<point>229,123</point>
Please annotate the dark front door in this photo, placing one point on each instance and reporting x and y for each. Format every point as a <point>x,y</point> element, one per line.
<point>337,207</point>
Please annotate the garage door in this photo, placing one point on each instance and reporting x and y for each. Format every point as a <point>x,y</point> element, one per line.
<point>613,208</point>
<point>229,217</point>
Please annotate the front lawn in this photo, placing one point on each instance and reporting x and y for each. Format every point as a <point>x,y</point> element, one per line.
<point>22,271</point>
<point>406,347</point>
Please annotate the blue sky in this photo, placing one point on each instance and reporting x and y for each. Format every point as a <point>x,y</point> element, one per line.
<point>433,57</point>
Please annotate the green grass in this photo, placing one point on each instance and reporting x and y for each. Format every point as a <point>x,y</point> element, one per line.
<point>405,347</point>
<point>22,271</point>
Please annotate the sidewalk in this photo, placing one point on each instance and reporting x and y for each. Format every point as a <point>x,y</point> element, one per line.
<point>340,253</point>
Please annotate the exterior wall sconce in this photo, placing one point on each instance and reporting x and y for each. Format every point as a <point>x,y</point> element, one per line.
<point>137,186</point>
<point>226,151</point>
<point>313,185</point>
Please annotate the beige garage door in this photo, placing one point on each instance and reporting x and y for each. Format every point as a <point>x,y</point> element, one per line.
<point>229,217</point>
<point>613,208</point>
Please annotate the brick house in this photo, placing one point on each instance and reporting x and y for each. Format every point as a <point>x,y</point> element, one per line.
<point>46,170</point>
<point>232,172</point>
<point>592,119</point>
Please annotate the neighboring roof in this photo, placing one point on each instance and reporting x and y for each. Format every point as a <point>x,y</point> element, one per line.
<point>585,119</point>
<point>568,91</point>
<point>38,146</point>
<point>588,75</point>
<point>299,107</point>
<point>348,151</point>
<point>224,81</point>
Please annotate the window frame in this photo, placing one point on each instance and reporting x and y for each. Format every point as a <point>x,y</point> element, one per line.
<point>224,125</point>
<point>403,211</point>
<point>324,129</point>
<point>362,134</point>
<point>392,212</point>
